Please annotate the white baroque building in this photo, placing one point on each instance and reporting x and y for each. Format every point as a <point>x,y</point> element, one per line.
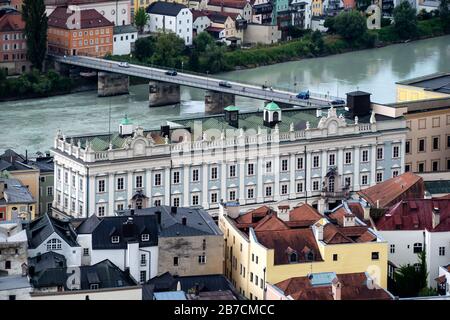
<point>313,156</point>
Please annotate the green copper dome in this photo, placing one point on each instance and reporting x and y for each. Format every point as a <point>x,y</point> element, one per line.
<point>125,120</point>
<point>272,106</point>
<point>232,108</point>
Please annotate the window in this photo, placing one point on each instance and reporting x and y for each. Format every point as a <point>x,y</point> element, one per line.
<point>176,202</point>
<point>284,165</point>
<point>145,237</point>
<point>408,147</point>
<point>407,167</point>
<point>375,255</point>
<point>195,200</point>
<point>250,193</point>
<point>251,276</point>
<point>59,174</point>
<point>364,179</point>
<point>49,191</point>
<point>157,179</point>
<point>232,195</point>
<point>261,283</point>
<point>176,177</point>
<point>365,156</point>
<point>300,187</point>
<point>331,159</point>
<point>54,244</point>
<point>256,259</point>
<point>250,169</point>
<point>268,191</point>
<point>435,165</point>
<point>284,189</point>
<point>85,251</point>
<point>315,185</point>
<point>138,181</point>
<point>175,261</point>
<point>195,175</point>
<point>66,177</point>
<point>73,181</point>
<point>417,247</point>
<point>436,143</point>
<point>300,163</point>
<point>348,157</point>
<point>214,197</point>
<point>143,260</point>
<point>442,251</point>
<point>214,173</point>
<point>232,171</point>
<point>379,176</point>
<point>7,265</point>
<point>204,244</point>
<point>422,123</point>
<point>268,166</point>
<point>392,248</point>
<point>101,185</point>
<point>335,257</point>
<point>395,152</point>
<point>115,239</point>
<point>394,173</point>
<point>81,184</point>
<point>448,141</point>
<point>421,166</point>
<point>201,259</point>
<point>101,211</point>
<point>421,145</point>
<point>380,153</point>
<point>315,161</point>
<point>120,185</point>
<point>142,276</point>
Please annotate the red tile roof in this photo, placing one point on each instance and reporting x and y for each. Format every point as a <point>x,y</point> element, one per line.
<point>12,22</point>
<point>353,287</point>
<point>271,223</point>
<point>394,189</point>
<point>416,214</point>
<point>305,214</point>
<point>238,4</point>
<point>89,18</point>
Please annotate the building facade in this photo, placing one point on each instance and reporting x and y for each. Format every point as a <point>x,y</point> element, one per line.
<point>432,86</point>
<point>13,249</point>
<point>16,201</point>
<point>124,39</point>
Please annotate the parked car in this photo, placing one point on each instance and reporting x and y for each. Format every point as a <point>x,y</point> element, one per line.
<point>171,73</point>
<point>303,95</point>
<point>338,102</point>
<point>225,84</point>
<point>124,64</point>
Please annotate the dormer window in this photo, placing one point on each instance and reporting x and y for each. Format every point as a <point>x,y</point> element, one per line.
<point>293,257</point>
<point>310,256</point>
<point>145,237</point>
<point>115,239</point>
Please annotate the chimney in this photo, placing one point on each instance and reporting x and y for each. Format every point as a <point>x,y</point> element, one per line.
<point>336,289</point>
<point>366,212</point>
<point>358,103</point>
<point>319,113</point>
<point>436,218</point>
<point>378,203</point>
<point>318,231</point>
<point>158,216</point>
<point>184,221</point>
<point>173,210</point>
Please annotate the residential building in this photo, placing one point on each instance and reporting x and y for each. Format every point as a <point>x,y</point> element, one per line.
<point>443,281</point>
<point>15,288</point>
<point>262,11</point>
<point>201,21</point>
<point>13,249</point>
<point>241,7</point>
<point>124,39</point>
<point>226,27</point>
<point>170,17</point>
<point>92,36</point>
<point>431,86</point>
<point>16,201</point>
<point>117,12</point>
<point>46,181</point>
<point>427,146</point>
<point>428,5</point>
<point>263,249</point>
<point>387,193</point>
<point>130,242</point>
<point>413,225</point>
<point>13,44</point>
<point>328,286</point>
<point>199,287</point>
<point>189,241</point>
<point>317,8</point>
<point>301,13</point>
<point>319,156</point>
<point>262,33</point>
<point>47,234</point>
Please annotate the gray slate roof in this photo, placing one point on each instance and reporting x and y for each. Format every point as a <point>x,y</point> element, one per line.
<point>15,192</point>
<point>165,8</point>
<point>47,260</point>
<point>125,29</point>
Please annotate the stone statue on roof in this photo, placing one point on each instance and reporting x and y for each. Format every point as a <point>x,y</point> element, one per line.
<point>291,127</point>
<point>372,117</point>
<point>356,119</point>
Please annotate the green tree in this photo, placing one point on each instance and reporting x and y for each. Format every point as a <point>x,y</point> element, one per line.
<point>317,40</point>
<point>329,24</point>
<point>33,13</point>
<point>140,19</point>
<point>405,20</point>
<point>350,25</point>
<point>444,15</point>
<point>215,60</point>
<point>168,50</point>
<point>144,48</point>
<point>410,281</point>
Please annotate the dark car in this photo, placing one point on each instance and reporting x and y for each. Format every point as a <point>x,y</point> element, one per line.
<point>225,84</point>
<point>171,73</point>
<point>338,102</point>
<point>303,95</point>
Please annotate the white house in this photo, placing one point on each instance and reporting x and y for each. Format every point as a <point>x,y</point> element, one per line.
<point>170,17</point>
<point>414,225</point>
<point>47,234</point>
<point>443,281</point>
<point>130,242</point>
<point>201,21</point>
<point>124,38</point>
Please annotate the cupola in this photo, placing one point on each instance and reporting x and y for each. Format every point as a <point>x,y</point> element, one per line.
<point>126,127</point>
<point>272,114</point>
<point>232,116</point>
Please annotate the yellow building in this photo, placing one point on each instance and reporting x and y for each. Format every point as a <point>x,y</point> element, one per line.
<point>317,7</point>
<point>261,247</point>
<point>16,201</point>
<point>433,86</point>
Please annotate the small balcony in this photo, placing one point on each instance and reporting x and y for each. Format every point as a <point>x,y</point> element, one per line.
<point>335,194</point>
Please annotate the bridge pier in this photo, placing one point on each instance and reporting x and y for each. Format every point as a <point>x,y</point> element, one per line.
<point>112,84</point>
<point>215,101</point>
<point>163,93</point>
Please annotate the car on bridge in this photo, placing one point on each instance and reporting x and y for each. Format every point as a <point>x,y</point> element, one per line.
<point>225,84</point>
<point>338,102</point>
<point>303,95</point>
<point>171,73</point>
<point>124,64</point>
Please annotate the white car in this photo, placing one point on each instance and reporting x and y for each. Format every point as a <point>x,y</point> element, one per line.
<point>124,65</point>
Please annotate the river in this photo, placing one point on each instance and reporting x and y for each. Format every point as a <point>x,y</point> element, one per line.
<point>31,124</point>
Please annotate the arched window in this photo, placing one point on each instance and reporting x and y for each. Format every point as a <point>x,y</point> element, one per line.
<point>293,257</point>
<point>310,256</point>
<point>53,244</point>
<point>331,184</point>
<point>417,248</point>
